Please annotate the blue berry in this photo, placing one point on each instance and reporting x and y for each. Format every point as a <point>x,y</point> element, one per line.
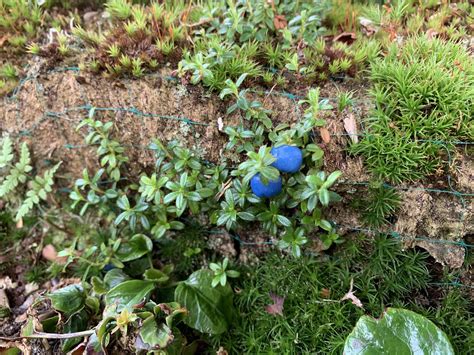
<point>288,158</point>
<point>272,189</point>
<point>109,267</point>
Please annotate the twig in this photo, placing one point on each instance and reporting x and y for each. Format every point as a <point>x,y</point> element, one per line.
<point>269,93</point>
<point>41,335</point>
<point>200,23</point>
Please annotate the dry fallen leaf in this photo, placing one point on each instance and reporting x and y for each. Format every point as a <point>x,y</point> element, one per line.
<point>277,307</point>
<point>350,126</point>
<point>220,124</point>
<point>4,303</point>
<point>31,287</point>
<point>19,223</point>
<point>345,37</point>
<point>368,27</point>
<point>6,283</point>
<point>280,22</point>
<point>325,293</point>
<point>49,253</point>
<point>222,351</point>
<point>431,33</point>
<point>350,296</point>
<point>326,137</point>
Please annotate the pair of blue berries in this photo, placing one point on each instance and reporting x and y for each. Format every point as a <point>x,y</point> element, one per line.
<point>288,160</point>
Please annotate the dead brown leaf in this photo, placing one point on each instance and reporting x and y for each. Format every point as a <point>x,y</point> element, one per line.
<point>350,125</point>
<point>431,33</point>
<point>3,39</point>
<point>49,253</point>
<point>277,307</point>
<point>345,37</point>
<point>325,135</point>
<point>325,293</point>
<point>280,22</point>
<point>368,27</point>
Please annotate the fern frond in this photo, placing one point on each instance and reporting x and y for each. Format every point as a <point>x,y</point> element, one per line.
<point>41,186</point>
<point>18,173</point>
<point>6,154</point>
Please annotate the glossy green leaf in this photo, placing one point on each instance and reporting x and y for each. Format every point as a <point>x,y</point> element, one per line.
<point>76,323</point>
<point>156,336</point>
<point>398,331</point>
<point>68,299</point>
<point>129,293</point>
<point>98,285</point>
<point>210,308</point>
<point>114,277</point>
<point>138,246</point>
<point>156,275</point>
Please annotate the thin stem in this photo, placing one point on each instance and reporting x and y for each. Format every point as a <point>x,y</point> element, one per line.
<point>41,335</point>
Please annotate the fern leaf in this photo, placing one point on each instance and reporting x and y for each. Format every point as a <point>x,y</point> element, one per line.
<point>24,163</point>
<point>40,187</point>
<point>18,173</point>
<point>6,154</point>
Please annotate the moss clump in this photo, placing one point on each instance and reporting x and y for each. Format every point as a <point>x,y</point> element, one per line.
<point>313,317</point>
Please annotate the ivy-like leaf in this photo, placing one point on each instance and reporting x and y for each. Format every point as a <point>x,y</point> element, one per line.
<point>138,246</point>
<point>129,293</point>
<point>68,299</point>
<point>210,308</point>
<point>399,331</point>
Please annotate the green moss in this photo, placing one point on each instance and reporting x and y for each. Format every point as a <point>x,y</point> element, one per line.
<point>423,92</point>
<point>315,321</point>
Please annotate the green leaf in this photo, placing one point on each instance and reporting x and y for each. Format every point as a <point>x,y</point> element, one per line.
<point>129,293</point>
<point>68,299</point>
<point>284,221</point>
<point>114,277</point>
<point>93,304</point>
<point>77,322</point>
<point>398,331</point>
<point>246,216</point>
<point>156,275</point>
<point>138,246</point>
<point>332,179</point>
<point>210,309</point>
<point>6,154</point>
<point>324,196</point>
<point>241,79</point>
<point>98,285</point>
<point>155,335</point>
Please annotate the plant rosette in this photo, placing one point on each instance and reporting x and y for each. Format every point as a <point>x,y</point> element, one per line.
<point>288,158</point>
<point>272,189</point>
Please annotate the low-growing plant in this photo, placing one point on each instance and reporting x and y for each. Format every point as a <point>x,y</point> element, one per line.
<point>221,273</point>
<point>345,99</point>
<point>422,104</point>
<point>380,204</point>
<point>15,176</point>
<point>8,71</point>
